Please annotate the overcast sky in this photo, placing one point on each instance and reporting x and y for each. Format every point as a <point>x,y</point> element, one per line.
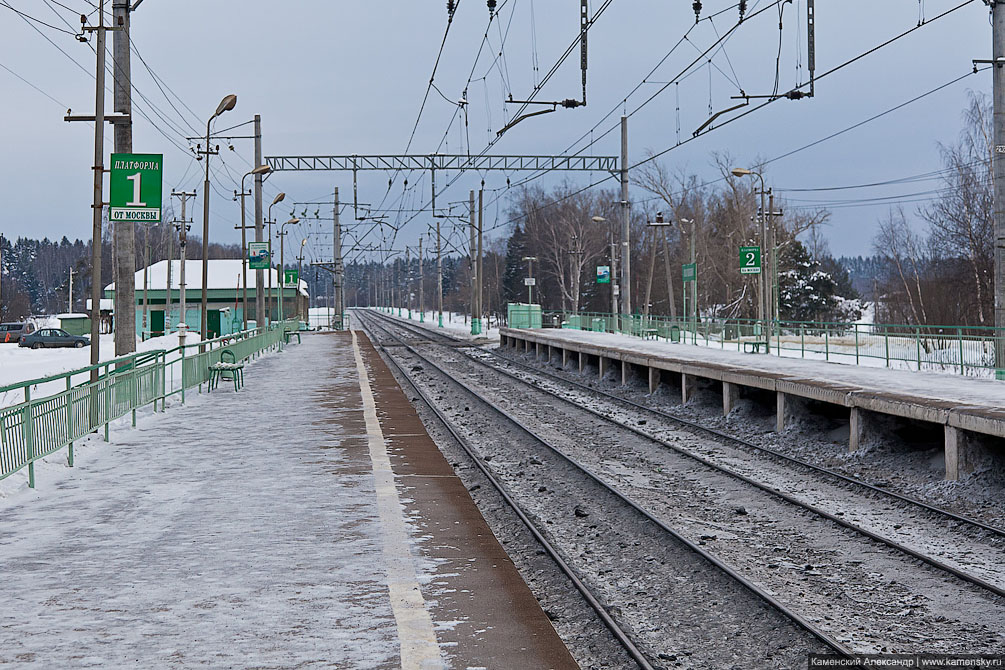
<point>339,77</point>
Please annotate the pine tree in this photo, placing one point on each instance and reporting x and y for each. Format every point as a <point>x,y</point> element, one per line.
<point>513,287</point>
<point>807,292</point>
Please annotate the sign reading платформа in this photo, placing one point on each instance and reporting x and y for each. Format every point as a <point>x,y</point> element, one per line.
<point>135,188</point>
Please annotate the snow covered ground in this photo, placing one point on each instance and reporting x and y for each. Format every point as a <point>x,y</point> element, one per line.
<point>19,364</point>
<point>208,536</point>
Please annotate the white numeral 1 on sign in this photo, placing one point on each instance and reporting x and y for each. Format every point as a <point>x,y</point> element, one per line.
<point>136,179</point>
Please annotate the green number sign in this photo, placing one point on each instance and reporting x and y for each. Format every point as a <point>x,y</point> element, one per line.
<point>603,274</point>
<point>750,260</point>
<point>136,188</point>
<point>258,256</point>
<point>290,277</point>
<point>690,271</point>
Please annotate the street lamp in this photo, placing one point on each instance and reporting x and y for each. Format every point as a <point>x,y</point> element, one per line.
<point>278,199</point>
<point>614,270</point>
<point>261,169</point>
<point>762,308</point>
<point>300,261</point>
<point>530,278</point>
<point>282,265</point>
<point>227,104</point>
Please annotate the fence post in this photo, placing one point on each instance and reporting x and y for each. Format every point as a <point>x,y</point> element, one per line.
<point>886,343</point>
<point>182,349</point>
<point>108,400</point>
<point>802,341</point>
<point>959,332</point>
<point>69,422</point>
<point>26,432</point>
<point>827,344</point>
<point>856,344</point>
<point>917,342</point>
<point>134,391</point>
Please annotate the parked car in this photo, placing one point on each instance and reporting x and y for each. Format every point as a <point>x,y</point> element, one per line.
<point>53,337</point>
<point>12,332</point>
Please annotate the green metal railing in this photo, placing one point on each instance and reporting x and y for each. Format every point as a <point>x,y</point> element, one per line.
<point>966,350</point>
<point>36,427</point>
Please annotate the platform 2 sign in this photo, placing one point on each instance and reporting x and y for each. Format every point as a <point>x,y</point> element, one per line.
<point>603,274</point>
<point>750,260</point>
<point>135,188</point>
<point>258,256</point>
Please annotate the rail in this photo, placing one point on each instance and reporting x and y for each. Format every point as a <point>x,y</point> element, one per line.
<point>39,426</point>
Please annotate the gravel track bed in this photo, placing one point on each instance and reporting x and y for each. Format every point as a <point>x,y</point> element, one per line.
<point>588,639</point>
<point>860,591</point>
<point>671,601</point>
<point>975,551</point>
<point>907,465</point>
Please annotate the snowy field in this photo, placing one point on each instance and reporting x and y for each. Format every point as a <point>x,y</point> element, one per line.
<point>18,364</point>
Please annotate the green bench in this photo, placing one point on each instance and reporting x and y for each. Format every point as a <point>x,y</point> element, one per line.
<point>229,370</point>
<point>753,347</point>
<point>289,335</point>
<point>650,334</point>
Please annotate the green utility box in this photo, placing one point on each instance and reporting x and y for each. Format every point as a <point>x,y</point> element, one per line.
<point>521,315</point>
<point>75,324</point>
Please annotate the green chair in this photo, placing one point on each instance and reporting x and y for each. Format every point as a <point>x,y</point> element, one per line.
<point>227,369</point>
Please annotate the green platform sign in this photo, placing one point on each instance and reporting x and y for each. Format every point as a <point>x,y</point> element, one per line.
<point>135,188</point>
<point>603,274</point>
<point>690,271</point>
<point>258,256</point>
<point>750,260</point>
<point>290,277</point>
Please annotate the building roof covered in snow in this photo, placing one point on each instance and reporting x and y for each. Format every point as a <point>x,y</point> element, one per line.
<point>224,273</point>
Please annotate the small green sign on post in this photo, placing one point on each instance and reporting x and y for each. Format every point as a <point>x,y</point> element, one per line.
<point>135,188</point>
<point>258,256</point>
<point>603,274</point>
<point>690,271</point>
<point>290,277</point>
<point>750,260</point>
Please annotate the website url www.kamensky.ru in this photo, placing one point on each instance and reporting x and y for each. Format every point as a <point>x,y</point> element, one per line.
<point>925,661</point>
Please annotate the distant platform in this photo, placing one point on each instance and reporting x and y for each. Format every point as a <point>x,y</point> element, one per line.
<point>968,410</point>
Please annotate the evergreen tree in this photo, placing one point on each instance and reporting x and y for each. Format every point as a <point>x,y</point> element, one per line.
<point>513,274</point>
<point>807,292</point>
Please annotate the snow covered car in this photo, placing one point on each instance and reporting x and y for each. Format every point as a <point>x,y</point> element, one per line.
<point>12,332</point>
<point>53,337</point>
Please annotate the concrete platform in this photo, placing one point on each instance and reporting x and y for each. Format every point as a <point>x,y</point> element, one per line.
<point>306,521</point>
<point>962,407</point>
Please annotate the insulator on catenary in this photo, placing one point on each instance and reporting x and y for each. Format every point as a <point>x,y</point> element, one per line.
<point>492,6</point>
<point>697,10</point>
<point>743,8</point>
<point>451,6</point>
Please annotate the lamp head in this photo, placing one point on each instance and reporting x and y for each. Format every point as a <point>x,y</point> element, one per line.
<point>741,172</point>
<point>227,104</point>
<point>279,198</point>
<point>261,169</point>
<point>294,220</point>
<point>599,219</point>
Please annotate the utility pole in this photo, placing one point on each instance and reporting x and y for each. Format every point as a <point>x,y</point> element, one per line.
<point>124,234</point>
<point>259,228</point>
<point>481,283</point>
<point>762,308</point>
<point>626,233</point>
<point>998,73</point>
<point>146,277</point>
<point>339,287</point>
<point>170,278</point>
<point>69,300</point>
<point>422,301</point>
<point>408,281</point>
<point>96,206</point>
<point>530,275</point>
<point>439,275</point>
<point>474,263</point>
<point>183,228</point>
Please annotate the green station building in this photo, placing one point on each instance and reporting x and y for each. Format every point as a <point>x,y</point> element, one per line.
<point>158,295</point>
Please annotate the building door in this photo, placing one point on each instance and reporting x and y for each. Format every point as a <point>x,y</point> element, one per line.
<point>213,323</point>
<point>156,322</point>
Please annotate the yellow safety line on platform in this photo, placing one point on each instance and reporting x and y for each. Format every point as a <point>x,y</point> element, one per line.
<point>419,650</point>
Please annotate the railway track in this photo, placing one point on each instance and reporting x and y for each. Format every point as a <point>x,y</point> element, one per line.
<point>987,583</point>
<point>724,584</point>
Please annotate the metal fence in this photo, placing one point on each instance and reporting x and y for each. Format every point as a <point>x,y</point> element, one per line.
<point>965,350</point>
<point>37,427</point>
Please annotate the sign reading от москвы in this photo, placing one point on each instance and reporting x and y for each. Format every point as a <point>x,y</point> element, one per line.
<point>135,188</point>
